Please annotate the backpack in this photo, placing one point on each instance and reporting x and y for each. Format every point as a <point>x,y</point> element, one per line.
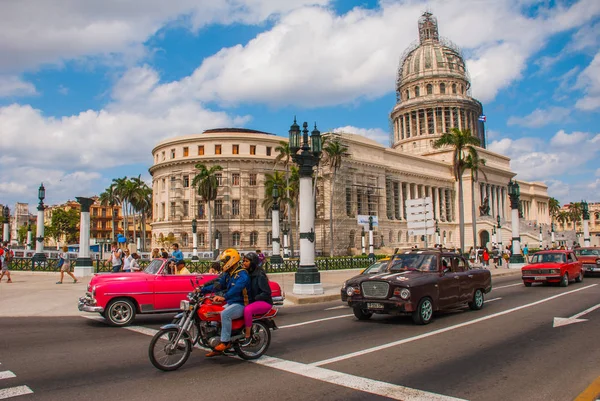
<point>61,262</point>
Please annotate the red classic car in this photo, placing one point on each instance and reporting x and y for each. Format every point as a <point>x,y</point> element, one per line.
<point>118,297</point>
<point>556,266</point>
<point>590,258</point>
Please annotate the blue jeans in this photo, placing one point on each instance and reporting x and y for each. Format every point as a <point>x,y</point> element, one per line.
<point>116,269</point>
<point>231,311</point>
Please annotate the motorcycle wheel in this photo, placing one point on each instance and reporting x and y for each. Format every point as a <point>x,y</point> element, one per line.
<point>165,354</point>
<point>258,345</point>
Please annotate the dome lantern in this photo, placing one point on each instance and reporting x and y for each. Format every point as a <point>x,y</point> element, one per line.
<point>428,28</point>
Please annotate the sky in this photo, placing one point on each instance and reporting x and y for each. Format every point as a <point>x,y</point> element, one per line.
<point>87,88</point>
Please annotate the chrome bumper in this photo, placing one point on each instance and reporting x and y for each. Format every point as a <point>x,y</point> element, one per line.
<point>278,300</point>
<point>88,304</point>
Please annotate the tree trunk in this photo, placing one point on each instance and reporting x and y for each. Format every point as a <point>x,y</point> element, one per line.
<point>144,232</point>
<point>461,214</point>
<point>473,213</point>
<point>113,226</point>
<point>331,213</point>
<point>208,210</point>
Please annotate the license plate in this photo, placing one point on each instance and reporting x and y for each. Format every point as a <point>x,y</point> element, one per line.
<point>374,305</point>
<point>540,278</point>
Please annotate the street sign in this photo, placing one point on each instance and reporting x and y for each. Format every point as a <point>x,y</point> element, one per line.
<point>363,220</point>
<point>417,202</point>
<point>419,217</point>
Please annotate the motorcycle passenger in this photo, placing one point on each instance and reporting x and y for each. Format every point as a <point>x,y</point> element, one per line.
<point>260,292</point>
<point>235,284</point>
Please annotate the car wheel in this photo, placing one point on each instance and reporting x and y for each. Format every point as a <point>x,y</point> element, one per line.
<point>579,278</point>
<point>477,302</point>
<point>119,312</point>
<point>564,281</point>
<point>361,314</point>
<point>424,312</point>
<point>527,284</point>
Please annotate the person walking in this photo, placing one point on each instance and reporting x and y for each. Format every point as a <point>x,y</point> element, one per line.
<point>126,261</point>
<point>65,265</point>
<point>116,258</point>
<point>486,258</point>
<point>134,266</point>
<point>526,253</point>
<point>6,256</point>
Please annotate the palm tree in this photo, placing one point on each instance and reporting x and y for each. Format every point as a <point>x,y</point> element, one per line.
<point>474,163</point>
<point>335,151</point>
<point>575,213</point>
<point>109,198</point>
<point>277,178</point>
<point>553,207</point>
<point>563,217</point>
<point>135,186</point>
<point>459,141</point>
<point>284,156</point>
<point>121,190</point>
<point>207,186</point>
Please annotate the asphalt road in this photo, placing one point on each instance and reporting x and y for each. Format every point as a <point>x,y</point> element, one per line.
<point>509,350</point>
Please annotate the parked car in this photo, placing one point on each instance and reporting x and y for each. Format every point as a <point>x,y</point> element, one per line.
<point>118,297</point>
<point>590,259</point>
<point>418,282</point>
<point>377,267</point>
<point>553,266</point>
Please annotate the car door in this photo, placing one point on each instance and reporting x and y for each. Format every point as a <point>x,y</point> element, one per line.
<point>448,284</point>
<point>170,289</point>
<point>466,279</point>
<point>574,265</point>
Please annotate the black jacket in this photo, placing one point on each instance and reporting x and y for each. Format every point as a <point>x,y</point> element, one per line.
<point>259,286</point>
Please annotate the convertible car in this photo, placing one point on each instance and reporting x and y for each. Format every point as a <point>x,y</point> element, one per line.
<point>118,297</point>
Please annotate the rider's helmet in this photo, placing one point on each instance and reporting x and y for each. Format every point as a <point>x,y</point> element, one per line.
<point>229,258</point>
<point>254,260</point>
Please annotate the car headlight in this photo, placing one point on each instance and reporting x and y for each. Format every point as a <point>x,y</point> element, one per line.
<point>403,293</point>
<point>94,291</point>
<point>598,261</point>
<point>350,291</point>
<point>184,305</point>
<point>344,285</point>
<point>555,271</point>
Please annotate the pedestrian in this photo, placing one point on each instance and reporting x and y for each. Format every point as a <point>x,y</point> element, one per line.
<point>215,268</point>
<point>471,255</point>
<point>155,254</point>
<point>126,261</point>
<point>486,257</point>
<point>526,253</point>
<point>261,257</point>
<point>6,256</point>
<point>134,266</point>
<point>496,256</point>
<point>177,255</point>
<point>180,267</point>
<point>65,265</point>
<point>506,256</point>
<point>164,255</point>
<point>116,258</point>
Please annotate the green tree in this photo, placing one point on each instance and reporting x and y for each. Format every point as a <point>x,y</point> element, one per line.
<point>460,142</point>
<point>66,224</point>
<point>474,163</point>
<point>207,185</point>
<point>110,198</point>
<point>563,217</point>
<point>22,234</point>
<point>278,178</point>
<point>553,207</point>
<point>575,213</point>
<point>335,152</point>
<point>284,156</point>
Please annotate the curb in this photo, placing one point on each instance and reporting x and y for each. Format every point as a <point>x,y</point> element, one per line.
<point>304,300</point>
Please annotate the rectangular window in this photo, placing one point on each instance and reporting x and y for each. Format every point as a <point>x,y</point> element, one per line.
<point>163,182</point>
<point>219,178</point>
<point>268,151</point>
<point>235,207</point>
<point>397,200</point>
<point>389,200</point>
<point>186,151</point>
<point>219,207</point>
<point>186,181</point>
<point>172,153</point>
<point>163,155</point>
<point>359,201</point>
<point>103,212</point>
<point>235,149</point>
<point>173,183</point>
<point>236,239</point>
<point>200,150</point>
<point>201,239</point>
<point>252,181</point>
<point>348,201</point>
<point>201,213</point>
<point>173,209</point>
<point>163,212</point>
<point>217,149</point>
<point>186,208</point>
<point>252,149</point>
<point>104,225</point>
<point>253,204</point>
<point>235,179</point>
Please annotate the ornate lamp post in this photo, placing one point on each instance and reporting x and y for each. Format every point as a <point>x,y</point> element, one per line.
<point>308,279</point>
<point>83,264</point>
<point>362,241</point>
<point>494,235</point>
<point>371,253</point>
<point>39,255</point>
<point>552,234</point>
<point>499,239</point>
<point>438,240</point>
<point>29,237</point>
<point>586,223</point>
<point>514,193</point>
<point>194,239</point>
<point>217,234</point>
<point>541,238</point>
<point>276,258</point>
<point>6,228</point>
<point>286,249</point>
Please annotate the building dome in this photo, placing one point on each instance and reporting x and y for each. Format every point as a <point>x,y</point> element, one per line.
<point>433,92</point>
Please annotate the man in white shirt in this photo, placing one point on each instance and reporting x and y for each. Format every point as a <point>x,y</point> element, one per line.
<point>116,258</point>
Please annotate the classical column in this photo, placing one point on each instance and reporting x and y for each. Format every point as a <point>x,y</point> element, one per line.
<point>276,259</point>
<point>514,193</point>
<point>418,123</point>
<point>404,126</point>
<point>6,227</point>
<point>586,223</point>
<point>83,264</point>
<point>29,237</point>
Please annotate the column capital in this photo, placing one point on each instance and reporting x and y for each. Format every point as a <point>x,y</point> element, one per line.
<point>85,203</point>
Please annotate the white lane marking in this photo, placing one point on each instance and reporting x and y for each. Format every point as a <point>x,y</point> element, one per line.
<point>506,286</point>
<point>561,321</point>
<point>142,330</point>
<point>314,321</point>
<point>337,307</point>
<point>97,318</point>
<point>7,374</point>
<point>492,300</point>
<point>14,392</point>
<point>393,391</point>
<point>439,331</point>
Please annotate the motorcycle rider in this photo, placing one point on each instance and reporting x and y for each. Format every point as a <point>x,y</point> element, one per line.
<point>234,283</point>
<point>260,301</point>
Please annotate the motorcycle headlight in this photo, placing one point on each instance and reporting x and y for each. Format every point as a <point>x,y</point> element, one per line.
<point>184,305</point>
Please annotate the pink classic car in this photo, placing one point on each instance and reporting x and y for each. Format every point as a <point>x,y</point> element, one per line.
<point>118,297</point>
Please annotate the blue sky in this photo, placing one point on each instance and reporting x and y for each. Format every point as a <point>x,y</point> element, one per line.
<point>88,88</point>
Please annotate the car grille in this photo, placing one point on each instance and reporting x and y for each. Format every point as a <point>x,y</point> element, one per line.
<point>588,265</point>
<point>375,289</point>
<point>539,271</point>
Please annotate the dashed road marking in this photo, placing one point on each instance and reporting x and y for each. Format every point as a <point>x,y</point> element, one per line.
<point>492,300</point>
<point>506,286</point>
<point>287,326</point>
<point>7,374</point>
<point>14,392</point>
<point>337,307</point>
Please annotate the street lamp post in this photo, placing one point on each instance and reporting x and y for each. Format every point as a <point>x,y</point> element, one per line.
<point>308,278</point>
<point>83,264</point>
<point>586,223</point>
<point>39,255</point>
<point>29,237</point>
<point>194,239</point>
<point>371,253</point>
<point>552,234</point>
<point>499,239</point>
<point>541,238</point>
<point>286,249</point>
<point>276,258</point>
<point>362,242</point>
<point>494,235</point>
<point>438,240</point>
<point>514,193</point>
<point>6,228</point>
<point>216,252</point>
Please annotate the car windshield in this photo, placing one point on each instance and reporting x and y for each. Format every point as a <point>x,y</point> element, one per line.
<point>414,261</point>
<point>587,252</point>
<point>548,258</point>
<point>376,267</point>
<point>153,267</point>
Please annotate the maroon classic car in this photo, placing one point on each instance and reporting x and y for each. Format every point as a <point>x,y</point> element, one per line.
<point>590,258</point>
<point>118,297</point>
<point>419,282</point>
<point>555,266</point>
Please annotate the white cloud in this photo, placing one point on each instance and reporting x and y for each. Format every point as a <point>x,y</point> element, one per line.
<point>589,81</point>
<point>376,134</point>
<point>13,86</point>
<point>541,117</point>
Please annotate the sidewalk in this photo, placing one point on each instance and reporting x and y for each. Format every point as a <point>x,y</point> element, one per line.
<point>36,294</point>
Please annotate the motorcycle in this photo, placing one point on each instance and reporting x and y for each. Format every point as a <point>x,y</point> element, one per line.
<point>199,324</point>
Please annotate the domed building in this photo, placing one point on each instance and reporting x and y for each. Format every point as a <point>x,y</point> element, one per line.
<point>433,96</point>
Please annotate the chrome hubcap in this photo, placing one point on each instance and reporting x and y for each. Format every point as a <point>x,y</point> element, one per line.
<point>478,298</point>
<point>426,310</point>
<point>120,312</point>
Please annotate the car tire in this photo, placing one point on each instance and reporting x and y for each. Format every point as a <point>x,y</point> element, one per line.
<point>477,302</point>
<point>119,312</point>
<point>361,314</point>
<point>564,281</point>
<point>579,278</point>
<point>424,312</point>
<point>527,284</point>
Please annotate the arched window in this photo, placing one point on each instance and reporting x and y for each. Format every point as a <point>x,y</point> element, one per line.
<point>442,88</point>
<point>400,236</point>
<point>429,89</point>
<point>462,89</point>
<point>407,239</point>
<point>414,145</point>
<point>184,239</point>
<point>351,239</point>
<point>391,237</point>
<point>417,91</point>
<point>236,237</point>
<point>407,94</point>
<point>254,238</point>
<point>201,239</point>
<point>454,89</point>
<point>270,238</point>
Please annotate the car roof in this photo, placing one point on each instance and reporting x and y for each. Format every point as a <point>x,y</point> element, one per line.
<point>555,251</point>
